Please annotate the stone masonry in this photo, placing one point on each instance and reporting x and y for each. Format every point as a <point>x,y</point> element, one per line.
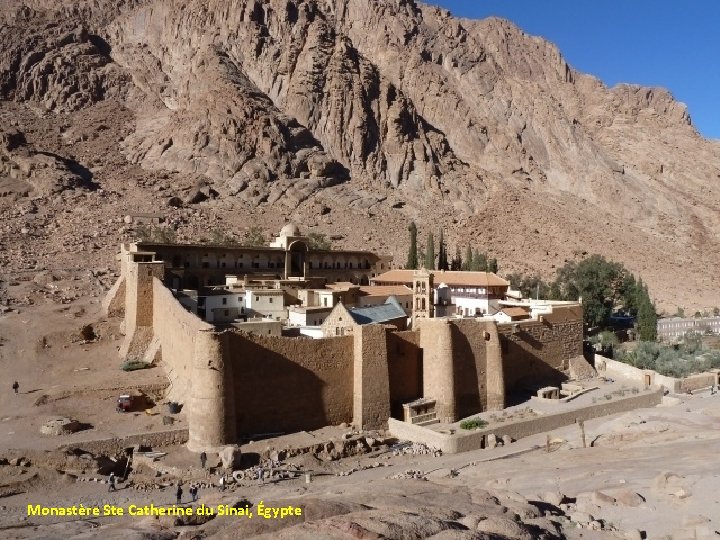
<point>235,384</point>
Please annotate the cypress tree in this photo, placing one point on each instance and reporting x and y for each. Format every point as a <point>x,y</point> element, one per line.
<point>443,255</point>
<point>457,262</point>
<point>492,266</point>
<point>430,253</point>
<point>480,262</point>
<point>412,259</point>
<point>467,263</point>
<point>647,314</point>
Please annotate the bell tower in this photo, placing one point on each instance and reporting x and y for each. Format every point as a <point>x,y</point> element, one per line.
<point>423,307</point>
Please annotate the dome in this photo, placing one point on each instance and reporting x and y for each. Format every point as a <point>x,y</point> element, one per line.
<point>290,230</point>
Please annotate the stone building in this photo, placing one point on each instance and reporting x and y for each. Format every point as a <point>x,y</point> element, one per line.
<point>674,328</point>
<point>289,256</point>
<point>343,320</point>
<point>469,294</point>
<point>235,383</point>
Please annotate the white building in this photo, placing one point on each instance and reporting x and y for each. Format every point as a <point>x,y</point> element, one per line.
<point>307,316</point>
<point>466,294</point>
<point>266,303</point>
<point>222,306</point>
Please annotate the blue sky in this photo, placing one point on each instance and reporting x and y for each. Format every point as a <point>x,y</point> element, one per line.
<point>670,43</point>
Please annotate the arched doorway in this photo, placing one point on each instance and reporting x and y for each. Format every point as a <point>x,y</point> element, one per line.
<point>297,253</point>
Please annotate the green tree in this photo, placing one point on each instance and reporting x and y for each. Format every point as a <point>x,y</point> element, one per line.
<point>680,312</point>
<point>628,292</point>
<point>412,258</point>
<point>492,266</point>
<point>647,317</point>
<point>595,280</point>
<point>716,312</point>
<point>319,242</point>
<point>443,263</point>
<point>480,262</point>
<point>467,263</point>
<point>457,262</point>
<point>430,253</point>
<point>254,236</point>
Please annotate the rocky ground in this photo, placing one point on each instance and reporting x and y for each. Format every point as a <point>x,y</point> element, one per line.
<point>350,119</point>
<point>647,474</point>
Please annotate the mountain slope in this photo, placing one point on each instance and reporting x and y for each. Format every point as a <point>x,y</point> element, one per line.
<point>376,112</point>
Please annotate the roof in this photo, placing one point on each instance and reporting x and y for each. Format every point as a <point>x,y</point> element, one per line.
<point>340,285</point>
<point>385,290</point>
<point>311,309</point>
<point>515,311</point>
<point>561,314</point>
<point>451,278</point>
<point>389,311</point>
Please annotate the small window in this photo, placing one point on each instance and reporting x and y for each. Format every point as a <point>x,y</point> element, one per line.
<point>227,312</point>
<point>224,301</point>
<point>149,273</point>
<point>240,265</point>
<point>270,300</point>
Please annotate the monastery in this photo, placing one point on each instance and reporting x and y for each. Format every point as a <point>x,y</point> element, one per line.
<point>285,338</point>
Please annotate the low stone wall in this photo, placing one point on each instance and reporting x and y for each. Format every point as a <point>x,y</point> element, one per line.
<point>613,368</point>
<point>474,440</point>
<point>115,445</point>
<point>696,382</point>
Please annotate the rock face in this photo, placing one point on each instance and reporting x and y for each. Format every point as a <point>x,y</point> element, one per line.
<point>391,108</point>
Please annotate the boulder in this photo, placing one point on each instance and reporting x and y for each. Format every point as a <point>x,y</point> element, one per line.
<point>60,426</point>
<point>230,457</point>
<point>628,498</point>
<point>506,528</point>
<point>602,499</point>
<point>553,497</point>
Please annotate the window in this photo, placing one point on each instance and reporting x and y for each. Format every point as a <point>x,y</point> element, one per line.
<point>224,301</point>
<point>257,298</point>
<point>240,265</point>
<point>270,300</point>
<point>227,312</point>
<point>324,302</point>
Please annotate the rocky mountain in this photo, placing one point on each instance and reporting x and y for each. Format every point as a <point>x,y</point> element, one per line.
<point>351,117</point>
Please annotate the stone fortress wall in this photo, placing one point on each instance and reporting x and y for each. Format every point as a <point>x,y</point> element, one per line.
<point>540,350</point>
<point>234,384</point>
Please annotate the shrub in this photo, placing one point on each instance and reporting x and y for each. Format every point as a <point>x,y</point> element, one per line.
<point>473,423</point>
<point>134,365</point>
<point>87,332</point>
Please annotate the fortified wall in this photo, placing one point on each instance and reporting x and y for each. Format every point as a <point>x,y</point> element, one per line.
<point>235,385</point>
<point>537,353</point>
